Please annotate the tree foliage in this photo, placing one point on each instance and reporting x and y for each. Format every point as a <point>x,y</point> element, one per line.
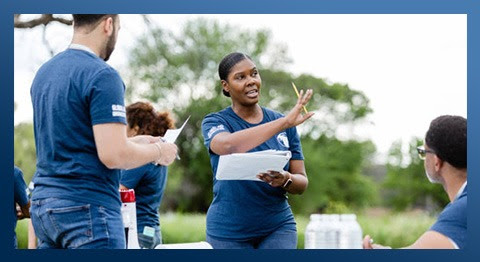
<point>24,150</point>
<point>406,181</point>
<point>178,72</point>
<point>335,176</point>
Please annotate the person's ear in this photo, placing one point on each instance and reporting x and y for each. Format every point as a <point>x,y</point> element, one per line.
<point>438,163</point>
<point>108,26</point>
<point>225,86</point>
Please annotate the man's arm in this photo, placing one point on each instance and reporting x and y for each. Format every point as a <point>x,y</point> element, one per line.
<point>244,140</point>
<point>32,238</point>
<point>429,240</point>
<point>116,151</point>
<point>433,240</point>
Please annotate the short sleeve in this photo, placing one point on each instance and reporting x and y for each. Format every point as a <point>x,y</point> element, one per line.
<point>211,126</point>
<point>295,144</point>
<point>106,96</point>
<point>452,223</point>
<point>20,188</point>
<point>131,178</point>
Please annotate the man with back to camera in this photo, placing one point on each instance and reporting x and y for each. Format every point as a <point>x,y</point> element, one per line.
<point>445,156</point>
<point>81,142</point>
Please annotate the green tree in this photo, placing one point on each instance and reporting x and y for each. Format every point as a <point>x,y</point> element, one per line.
<point>335,176</point>
<point>179,72</point>
<point>406,181</point>
<point>24,149</point>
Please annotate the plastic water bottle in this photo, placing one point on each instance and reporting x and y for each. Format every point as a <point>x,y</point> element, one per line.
<point>332,231</point>
<point>311,231</point>
<point>351,233</point>
<point>129,216</point>
<point>323,232</point>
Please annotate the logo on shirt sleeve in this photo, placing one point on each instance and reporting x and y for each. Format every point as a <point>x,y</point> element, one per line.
<point>118,110</point>
<point>215,129</point>
<point>283,139</point>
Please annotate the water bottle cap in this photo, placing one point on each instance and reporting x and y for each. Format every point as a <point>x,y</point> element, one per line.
<point>334,217</point>
<point>348,217</point>
<point>127,196</point>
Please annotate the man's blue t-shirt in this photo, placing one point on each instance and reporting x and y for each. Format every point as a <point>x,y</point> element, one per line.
<point>452,222</point>
<point>20,195</point>
<point>149,182</point>
<point>243,209</point>
<point>70,93</point>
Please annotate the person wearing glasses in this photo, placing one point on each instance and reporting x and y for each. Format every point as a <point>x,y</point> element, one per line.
<point>445,159</point>
<point>253,214</point>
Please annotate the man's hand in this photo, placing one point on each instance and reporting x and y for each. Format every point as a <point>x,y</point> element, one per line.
<point>168,153</point>
<point>368,244</point>
<point>22,212</point>
<point>19,212</point>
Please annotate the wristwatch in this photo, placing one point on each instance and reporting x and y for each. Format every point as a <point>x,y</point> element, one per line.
<point>288,182</point>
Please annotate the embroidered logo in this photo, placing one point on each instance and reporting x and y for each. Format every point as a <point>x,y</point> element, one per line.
<point>215,129</point>
<point>283,139</point>
<point>118,110</point>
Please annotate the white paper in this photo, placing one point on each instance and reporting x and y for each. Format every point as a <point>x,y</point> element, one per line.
<point>246,166</point>
<point>172,134</point>
<point>195,245</point>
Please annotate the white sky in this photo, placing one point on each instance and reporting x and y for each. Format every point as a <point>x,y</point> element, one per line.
<point>413,68</point>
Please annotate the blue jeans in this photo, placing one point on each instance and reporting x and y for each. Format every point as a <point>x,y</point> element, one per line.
<point>282,238</point>
<point>61,223</point>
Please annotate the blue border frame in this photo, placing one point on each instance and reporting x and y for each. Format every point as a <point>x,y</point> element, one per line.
<point>9,7</point>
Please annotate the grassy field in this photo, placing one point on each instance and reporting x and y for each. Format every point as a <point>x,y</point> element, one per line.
<point>393,229</point>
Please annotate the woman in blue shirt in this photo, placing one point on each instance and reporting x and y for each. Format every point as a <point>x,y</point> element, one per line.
<point>253,214</point>
<point>148,181</point>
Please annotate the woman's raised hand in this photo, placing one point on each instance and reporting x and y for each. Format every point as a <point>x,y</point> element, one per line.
<point>295,117</point>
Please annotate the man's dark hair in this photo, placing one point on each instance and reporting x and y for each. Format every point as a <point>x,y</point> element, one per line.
<point>447,136</point>
<point>81,20</point>
<point>226,65</point>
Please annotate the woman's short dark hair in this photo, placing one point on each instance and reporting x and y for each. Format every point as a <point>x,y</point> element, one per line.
<point>149,121</point>
<point>81,20</point>
<point>447,136</point>
<point>227,63</point>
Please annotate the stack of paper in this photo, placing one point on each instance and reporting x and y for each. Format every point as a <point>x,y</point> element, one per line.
<point>246,166</point>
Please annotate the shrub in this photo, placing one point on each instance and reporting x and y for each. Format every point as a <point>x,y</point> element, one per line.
<point>391,229</point>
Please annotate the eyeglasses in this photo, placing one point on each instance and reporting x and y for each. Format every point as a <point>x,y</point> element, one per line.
<point>422,152</point>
